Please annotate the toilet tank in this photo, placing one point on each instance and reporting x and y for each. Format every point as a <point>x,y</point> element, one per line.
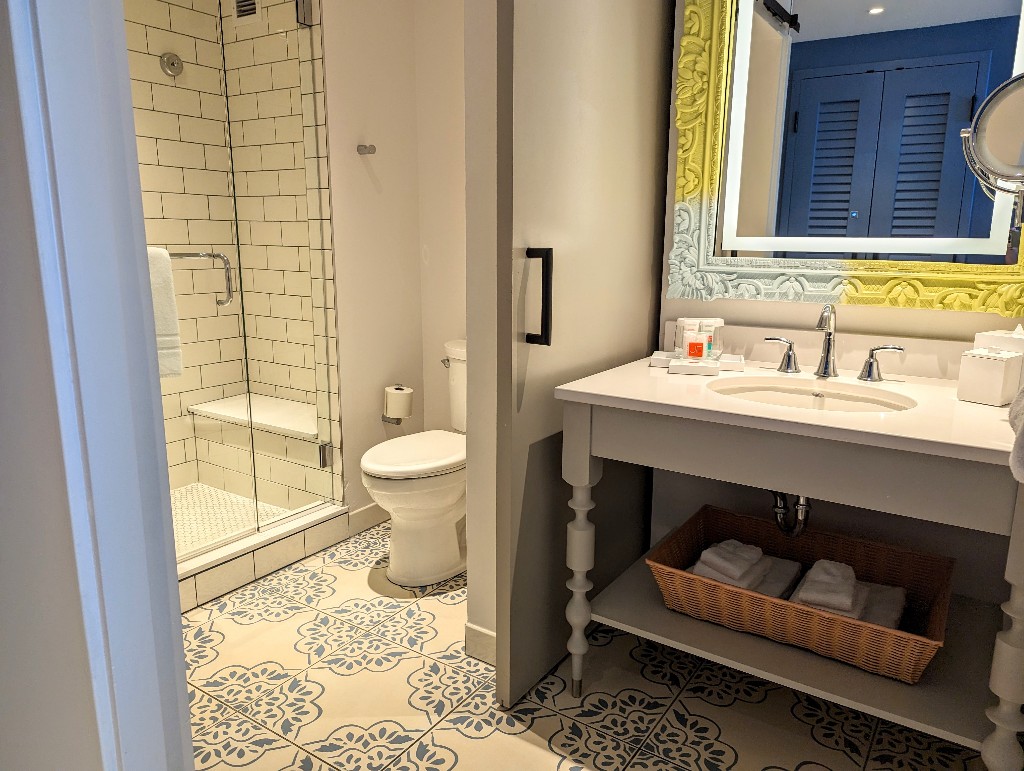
<point>455,350</point>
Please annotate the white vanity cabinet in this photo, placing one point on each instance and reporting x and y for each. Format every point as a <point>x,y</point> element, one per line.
<point>942,461</point>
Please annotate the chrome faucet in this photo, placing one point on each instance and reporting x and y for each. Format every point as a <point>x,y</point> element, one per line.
<point>827,324</point>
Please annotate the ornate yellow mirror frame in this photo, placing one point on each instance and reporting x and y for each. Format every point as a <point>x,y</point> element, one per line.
<point>703,76</point>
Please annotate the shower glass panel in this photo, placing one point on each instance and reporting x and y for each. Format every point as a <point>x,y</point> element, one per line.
<point>232,152</point>
<point>275,104</point>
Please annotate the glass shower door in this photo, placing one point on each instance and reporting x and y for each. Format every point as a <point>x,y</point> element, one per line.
<point>274,86</point>
<point>231,133</point>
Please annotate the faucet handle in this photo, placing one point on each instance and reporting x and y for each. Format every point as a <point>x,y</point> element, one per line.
<point>871,371</point>
<point>789,364</point>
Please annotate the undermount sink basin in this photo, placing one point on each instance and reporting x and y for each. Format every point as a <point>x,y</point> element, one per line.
<point>785,391</point>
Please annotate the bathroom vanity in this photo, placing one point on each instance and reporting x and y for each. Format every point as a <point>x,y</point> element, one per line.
<point>908,448</point>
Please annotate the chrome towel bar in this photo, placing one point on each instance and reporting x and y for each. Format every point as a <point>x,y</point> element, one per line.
<point>228,288</point>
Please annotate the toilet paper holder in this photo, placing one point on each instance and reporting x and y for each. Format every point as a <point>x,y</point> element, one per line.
<point>404,393</point>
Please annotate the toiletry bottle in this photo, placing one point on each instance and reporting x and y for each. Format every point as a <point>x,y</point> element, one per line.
<point>711,337</point>
<point>693,341</point>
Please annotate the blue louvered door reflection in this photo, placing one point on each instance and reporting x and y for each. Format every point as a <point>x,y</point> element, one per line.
<point>828,182</point>
<point>878,154</point>
<point>921,173</point>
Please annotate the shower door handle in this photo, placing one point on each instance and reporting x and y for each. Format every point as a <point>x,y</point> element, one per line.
<point>545,255</point>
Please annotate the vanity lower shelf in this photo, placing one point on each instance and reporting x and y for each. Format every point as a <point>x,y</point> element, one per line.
<point>949,701</point>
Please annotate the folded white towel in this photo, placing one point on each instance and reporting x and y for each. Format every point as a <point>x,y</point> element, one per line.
<point>885,605</point>
<point>165,312</point>
<point>829,585</point>
<point>747,580</point>
<point>780,578</point>
<point>859,604</point>
<point>731,558</point>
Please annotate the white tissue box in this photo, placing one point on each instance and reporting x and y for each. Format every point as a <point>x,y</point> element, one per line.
<point>1000,339</point>
<point>989,376</point>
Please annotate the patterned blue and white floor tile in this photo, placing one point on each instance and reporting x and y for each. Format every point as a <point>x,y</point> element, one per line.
<point>328,666</point>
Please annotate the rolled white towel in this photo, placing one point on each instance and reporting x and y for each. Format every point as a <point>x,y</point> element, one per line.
<point>731,558</point>
<point>748,580</point>
<point>829,585</point>
<point>780,578</point>
<point>857,607</point>
<point>885,605</point>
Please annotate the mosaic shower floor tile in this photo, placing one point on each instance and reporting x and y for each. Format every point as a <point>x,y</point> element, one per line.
<point>326,665</point>
<point>206,517</point>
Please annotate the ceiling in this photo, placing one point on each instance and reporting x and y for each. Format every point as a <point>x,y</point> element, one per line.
<point>821,19</point>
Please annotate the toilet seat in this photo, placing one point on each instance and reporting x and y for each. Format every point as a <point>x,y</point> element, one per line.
<point>424,454</point>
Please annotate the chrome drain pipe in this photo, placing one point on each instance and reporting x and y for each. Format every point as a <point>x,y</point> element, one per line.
<point>792,523</point>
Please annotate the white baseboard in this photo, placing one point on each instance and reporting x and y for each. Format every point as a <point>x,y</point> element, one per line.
<point>365,518</point>
<point>481,644</point>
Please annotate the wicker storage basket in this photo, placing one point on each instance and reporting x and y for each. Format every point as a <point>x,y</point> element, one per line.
<point>900,653</point>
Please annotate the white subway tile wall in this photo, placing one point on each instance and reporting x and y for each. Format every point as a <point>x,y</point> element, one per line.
<point>272,88</point>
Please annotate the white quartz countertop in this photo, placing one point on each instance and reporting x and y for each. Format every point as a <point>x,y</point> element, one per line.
<point>940,424</point>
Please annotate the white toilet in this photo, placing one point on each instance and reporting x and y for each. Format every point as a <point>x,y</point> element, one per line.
<point>420,480</point>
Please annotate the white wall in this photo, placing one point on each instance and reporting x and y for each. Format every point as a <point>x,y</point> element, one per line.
<point>441,140</point>
<point>369,60</point>
<point>39,592</point>
<point>394,79</point>
<point>91,672</point>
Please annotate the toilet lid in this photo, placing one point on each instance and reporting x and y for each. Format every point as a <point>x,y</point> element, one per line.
<point>425,454</point>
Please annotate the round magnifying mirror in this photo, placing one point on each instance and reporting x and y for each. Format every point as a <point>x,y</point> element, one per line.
<point>998,131</point>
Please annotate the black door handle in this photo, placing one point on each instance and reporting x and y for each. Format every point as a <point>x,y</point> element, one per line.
<point>545,255</point>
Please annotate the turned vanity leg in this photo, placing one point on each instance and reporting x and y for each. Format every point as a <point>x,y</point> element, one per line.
<point>579,556</point>
<point>582,471</point>
<point>1001,751</point>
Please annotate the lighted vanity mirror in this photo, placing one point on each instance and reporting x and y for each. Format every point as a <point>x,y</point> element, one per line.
<point>826,164</point>
<point>845,136</point>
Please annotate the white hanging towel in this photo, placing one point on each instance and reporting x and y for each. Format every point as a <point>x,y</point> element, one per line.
<point>165,312</point>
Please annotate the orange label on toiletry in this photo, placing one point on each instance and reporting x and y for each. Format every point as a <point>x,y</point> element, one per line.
<point>695,350</point>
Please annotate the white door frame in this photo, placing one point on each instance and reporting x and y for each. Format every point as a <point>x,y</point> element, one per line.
<point>78,149</point>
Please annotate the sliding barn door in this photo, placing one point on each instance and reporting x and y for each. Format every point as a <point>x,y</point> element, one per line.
<point>591,87</point>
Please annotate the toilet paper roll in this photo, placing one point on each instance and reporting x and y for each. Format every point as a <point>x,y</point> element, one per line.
<point>398,401</point>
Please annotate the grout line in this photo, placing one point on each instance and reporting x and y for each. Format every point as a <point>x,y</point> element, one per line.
<point>430,730</point>
<point>675,700</point>
<point>479,685</point>
<point>261,726</point>
<point>231,709</point>
<point>363,632</point>
<point>871,742</point>
<point>646,736</point>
